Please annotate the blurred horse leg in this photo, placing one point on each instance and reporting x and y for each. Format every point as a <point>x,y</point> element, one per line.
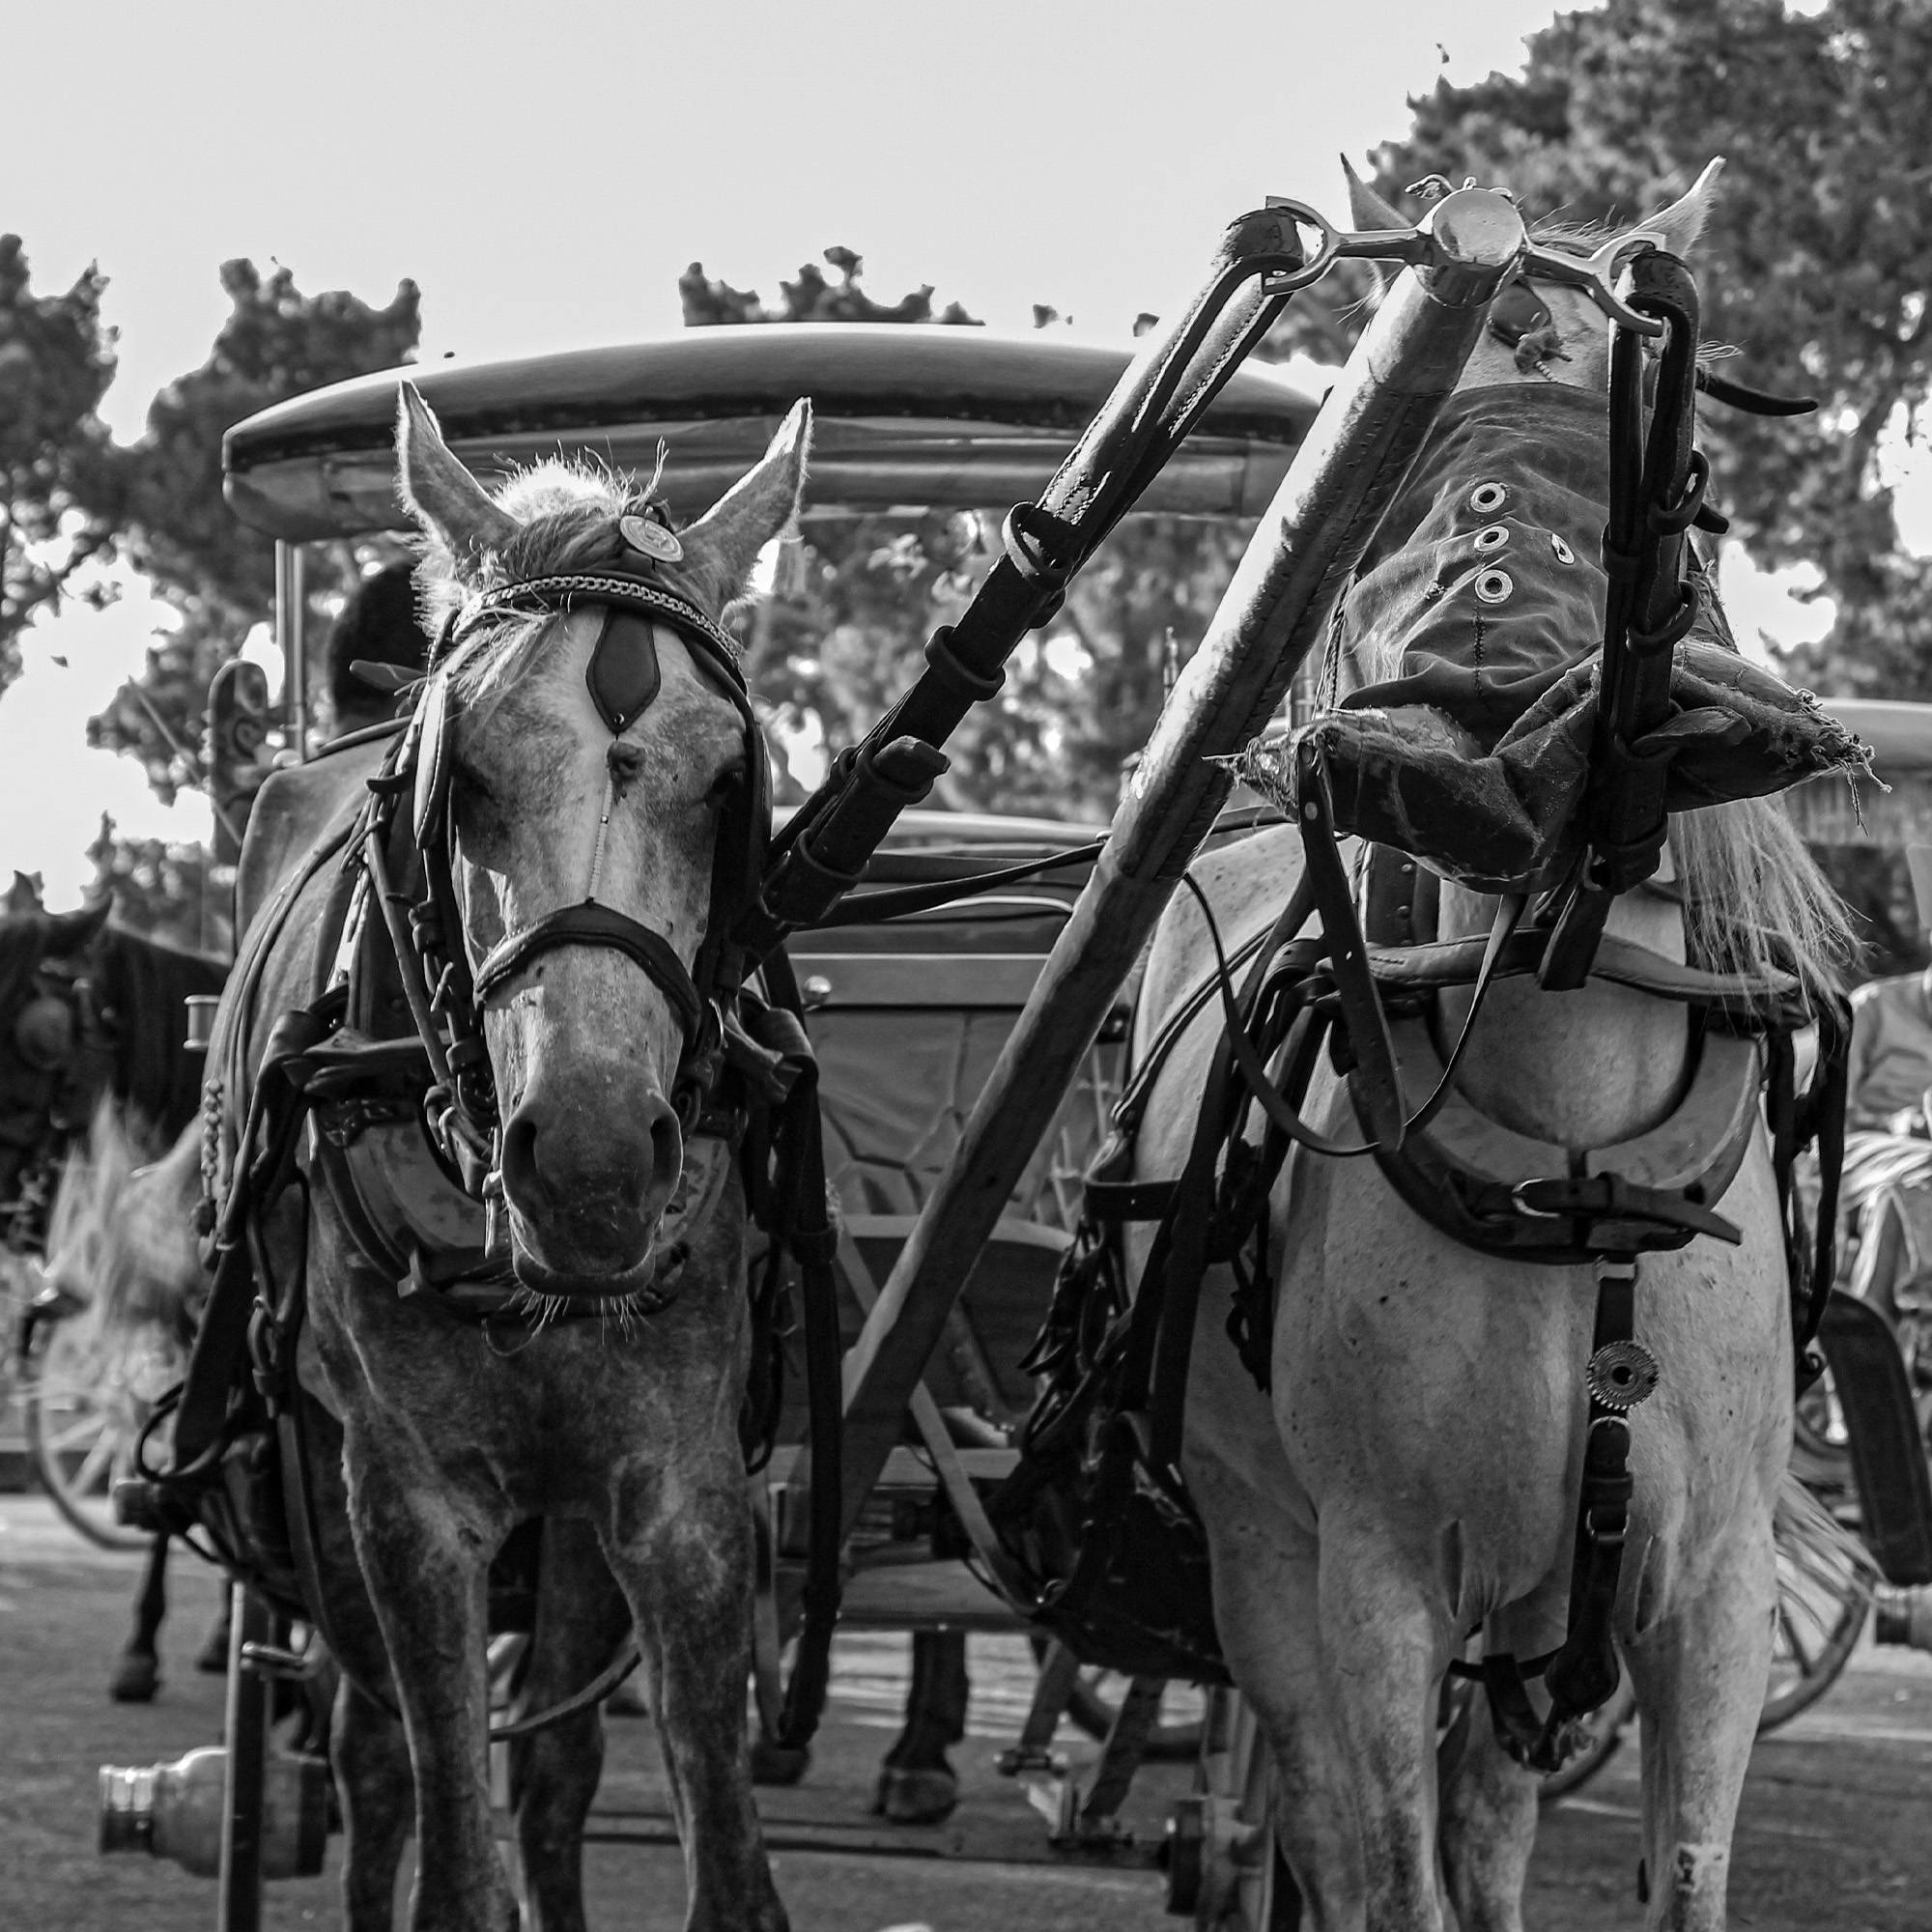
<point>137,1671</point>
<point>917,1783</point>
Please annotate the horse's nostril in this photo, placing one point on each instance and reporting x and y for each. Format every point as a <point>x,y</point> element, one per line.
<point>522,1182</point>
<point>667,1156</point>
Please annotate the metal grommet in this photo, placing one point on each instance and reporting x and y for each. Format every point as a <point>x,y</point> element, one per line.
<point>1494,586</point>
<point>1487,498</point>
<point>1493,537</point>
<point>1560,549</point>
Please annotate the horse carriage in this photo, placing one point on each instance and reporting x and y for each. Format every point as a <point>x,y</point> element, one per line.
<point>1380,1335</point>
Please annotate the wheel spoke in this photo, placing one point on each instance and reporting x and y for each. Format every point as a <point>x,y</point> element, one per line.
<point>97,1459</point>
<point>1800,1655</point>
<point>71,1439</point>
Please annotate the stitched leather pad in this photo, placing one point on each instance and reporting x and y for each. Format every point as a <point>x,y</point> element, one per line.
<point>623,673</point>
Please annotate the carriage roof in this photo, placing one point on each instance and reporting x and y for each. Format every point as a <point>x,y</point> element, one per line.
<point>906,414</point>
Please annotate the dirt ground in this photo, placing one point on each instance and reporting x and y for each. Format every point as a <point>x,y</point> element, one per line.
<point>1835,1829</point>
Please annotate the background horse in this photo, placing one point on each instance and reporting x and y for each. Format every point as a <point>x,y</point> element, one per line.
<point>436,1432</point>
<point>1412,1474</point>
<point>93,1021</point>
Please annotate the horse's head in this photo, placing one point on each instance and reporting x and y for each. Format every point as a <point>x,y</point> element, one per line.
<point>1546,330</point>
<point>596,762</point>
<point>44,1084</point>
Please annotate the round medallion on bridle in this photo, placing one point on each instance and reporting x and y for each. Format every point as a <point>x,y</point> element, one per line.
<point>1622,1375</point>
<point>651,538</point>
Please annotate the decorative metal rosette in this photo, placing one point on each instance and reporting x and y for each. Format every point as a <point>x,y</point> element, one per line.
<point>1621,1375</point>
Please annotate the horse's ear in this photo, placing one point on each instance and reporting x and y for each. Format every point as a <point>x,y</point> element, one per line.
<point>446,501</point>
<point>1367,209</point>
<point>1683,221</point>
<point>723,544</point>
<point>72,931</point>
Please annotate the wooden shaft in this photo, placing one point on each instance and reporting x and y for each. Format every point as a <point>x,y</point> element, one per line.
<point>1274,613</point>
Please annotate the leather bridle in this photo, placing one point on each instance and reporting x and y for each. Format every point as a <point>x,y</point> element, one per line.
<point>451,994</point>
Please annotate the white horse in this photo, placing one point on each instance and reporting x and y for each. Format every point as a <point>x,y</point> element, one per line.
<point>1413,1474</point>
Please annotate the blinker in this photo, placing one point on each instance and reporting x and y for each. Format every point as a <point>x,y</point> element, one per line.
<point>1518,311</point>
<point>44,1033</point>
<point>433,729</point>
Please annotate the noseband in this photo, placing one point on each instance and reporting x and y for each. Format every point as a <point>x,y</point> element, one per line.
<point>623,677</point>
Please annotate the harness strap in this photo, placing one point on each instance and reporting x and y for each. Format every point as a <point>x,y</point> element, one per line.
<point>592,925</point>
<point>1656,491</point>
<point>1373,1079</point>
<point>802,1219</point>
<point>1582,1672</point>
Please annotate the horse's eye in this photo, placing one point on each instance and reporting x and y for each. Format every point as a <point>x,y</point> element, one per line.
<point>728,783</point>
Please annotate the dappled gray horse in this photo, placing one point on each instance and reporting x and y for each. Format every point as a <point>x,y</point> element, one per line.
<point>587,770</point>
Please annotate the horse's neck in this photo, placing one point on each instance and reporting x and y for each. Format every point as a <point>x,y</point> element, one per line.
<point>1585,1068</point>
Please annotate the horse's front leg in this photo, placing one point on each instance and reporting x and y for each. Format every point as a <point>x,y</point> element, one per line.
<point>582,1622</point>
<point>425,1559</point>
<point>1700,1674</point>
<point>680,1547</point>
<point>137,1671</point>
<point>1385,1648</point>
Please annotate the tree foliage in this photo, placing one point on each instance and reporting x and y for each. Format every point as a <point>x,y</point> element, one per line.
<point>843,634</point>
<point>1814,266</point>
<point>215,572</point>
<point>56,361</point>
<point>165,889</point>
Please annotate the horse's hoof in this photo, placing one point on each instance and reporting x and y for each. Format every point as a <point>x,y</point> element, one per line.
<point>136,1680</point>
<point>915,1797</point>
<point>212,1659</point>
<point>775,1764</point>
<point>628,1700</point>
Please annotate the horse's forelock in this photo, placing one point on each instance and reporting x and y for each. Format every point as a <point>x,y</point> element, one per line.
<point>567,513</point>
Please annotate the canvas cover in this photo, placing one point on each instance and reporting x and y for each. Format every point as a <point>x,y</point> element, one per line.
<point>898,1081</point>
<point>1468,646</point>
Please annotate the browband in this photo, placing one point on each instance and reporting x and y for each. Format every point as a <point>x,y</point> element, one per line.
<point>616,590</point>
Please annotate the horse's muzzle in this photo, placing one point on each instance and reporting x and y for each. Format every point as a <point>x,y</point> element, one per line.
<point>587,1202</point>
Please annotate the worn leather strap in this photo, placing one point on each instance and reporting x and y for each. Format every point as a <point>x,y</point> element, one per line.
<point>592,925</point>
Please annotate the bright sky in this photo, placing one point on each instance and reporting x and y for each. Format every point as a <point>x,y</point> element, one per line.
<point>546,172</point>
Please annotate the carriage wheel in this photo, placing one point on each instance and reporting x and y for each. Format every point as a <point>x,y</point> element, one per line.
<point>1224,1865</point>
<point>1094,1702</point>
<point>88,1396</point>
<point>1824,1597</point>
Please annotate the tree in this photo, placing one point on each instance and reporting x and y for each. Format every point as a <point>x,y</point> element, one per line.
<point>1814,266</point>
<point>56,361</point>
<point>177,531</point>
<point>165,889</point>
<point>843,633</point>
